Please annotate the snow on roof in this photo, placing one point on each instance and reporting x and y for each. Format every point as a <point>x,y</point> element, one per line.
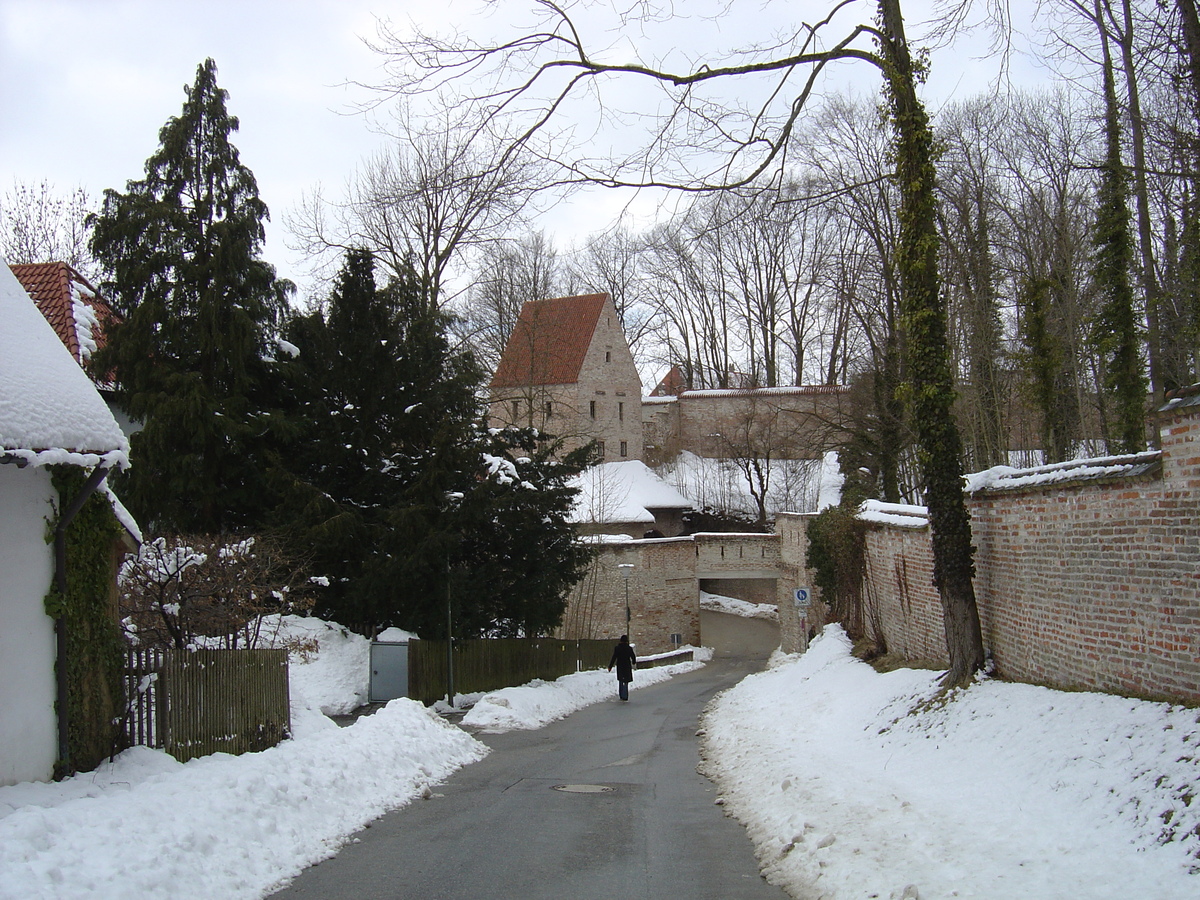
<point>49,410</point>
<point>1003,478</point>
<point>623,492</point>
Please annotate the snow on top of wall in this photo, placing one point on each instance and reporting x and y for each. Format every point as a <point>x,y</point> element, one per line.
<point>49,410</point>
<point>1001,478</point>
<point>623,492</point>
<point>901,514</point>
<point>786,391</point>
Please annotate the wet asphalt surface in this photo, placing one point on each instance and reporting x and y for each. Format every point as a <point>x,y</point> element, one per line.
<point>604,803</point>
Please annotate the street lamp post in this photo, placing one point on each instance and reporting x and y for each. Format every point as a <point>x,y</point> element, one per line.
<point>452,499</point>
<point>626,572</point>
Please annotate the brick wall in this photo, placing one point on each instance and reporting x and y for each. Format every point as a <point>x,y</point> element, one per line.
<point>1091,584</point>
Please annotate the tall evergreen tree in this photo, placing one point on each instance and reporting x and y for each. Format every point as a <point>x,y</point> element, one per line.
<point>384,405</point>
<point>396,492</point>
<point>180,249</point>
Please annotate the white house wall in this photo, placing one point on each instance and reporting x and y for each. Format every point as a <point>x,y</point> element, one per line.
<point>28,733</point>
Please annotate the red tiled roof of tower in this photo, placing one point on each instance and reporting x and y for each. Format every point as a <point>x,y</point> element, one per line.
<point>51,287</point>
<point>550,341</point>
<point>672,384</point>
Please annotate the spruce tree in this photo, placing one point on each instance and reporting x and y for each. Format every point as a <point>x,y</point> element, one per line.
<point>191,353</point>
<point>396,491</point>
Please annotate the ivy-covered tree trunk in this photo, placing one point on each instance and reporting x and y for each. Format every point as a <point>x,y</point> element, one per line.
<point>930,383</point>
<point>1116,328</point>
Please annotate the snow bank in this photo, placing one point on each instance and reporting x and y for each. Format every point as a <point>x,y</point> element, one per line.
<point>329,667</point>
<point>734,607</point>
<point>220,826</point>
<point>540,702</point>
<point>1007,790</point>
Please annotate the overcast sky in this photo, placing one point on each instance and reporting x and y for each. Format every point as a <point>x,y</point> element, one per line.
<point>86,84</point>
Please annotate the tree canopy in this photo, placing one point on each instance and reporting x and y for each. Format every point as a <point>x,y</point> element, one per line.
<point>393,488</point>
<point>192,353</point>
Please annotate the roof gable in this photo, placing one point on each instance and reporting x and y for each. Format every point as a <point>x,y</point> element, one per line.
<point>50,412</point>
<point>72,306</point>
<point>550,341</point>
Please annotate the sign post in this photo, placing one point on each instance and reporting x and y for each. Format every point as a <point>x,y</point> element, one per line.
<point>803,597</point>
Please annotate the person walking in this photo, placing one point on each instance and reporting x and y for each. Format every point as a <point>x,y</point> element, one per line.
<point>625,660</point>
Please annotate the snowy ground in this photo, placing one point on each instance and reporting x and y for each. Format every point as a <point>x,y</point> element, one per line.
<point>1007,791</point>
<point>225,826</point>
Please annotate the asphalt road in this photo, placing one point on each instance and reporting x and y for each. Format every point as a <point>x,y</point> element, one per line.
<point>637,822</point>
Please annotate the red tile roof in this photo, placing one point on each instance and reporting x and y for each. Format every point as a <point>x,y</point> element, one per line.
<point>54,287</point>
<point>672,384</point>
<point>549,342</point>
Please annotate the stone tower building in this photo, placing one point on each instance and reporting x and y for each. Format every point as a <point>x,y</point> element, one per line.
<point>567,370</point>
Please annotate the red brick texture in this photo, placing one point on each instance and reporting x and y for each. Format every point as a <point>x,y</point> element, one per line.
<point>1091,585</point>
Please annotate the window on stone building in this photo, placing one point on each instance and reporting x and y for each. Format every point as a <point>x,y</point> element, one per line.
<point>516,404</point>
<point>624,448</point>
<point>548,409</point>
<point>600,447</point>
<point>608,356</point>
<point>592,408</point>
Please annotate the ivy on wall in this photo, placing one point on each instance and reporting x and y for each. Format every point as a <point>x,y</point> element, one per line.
<point>95,655</point>
<point>837,556</point>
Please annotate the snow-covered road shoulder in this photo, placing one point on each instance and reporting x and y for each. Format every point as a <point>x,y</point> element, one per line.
<point>1008,790</point>
<point>220,826</point>
<point>539,703</point>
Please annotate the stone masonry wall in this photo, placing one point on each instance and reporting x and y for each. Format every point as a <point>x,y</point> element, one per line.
<point>663,595</point>
<point>1089,585</point>
<point>608,378</point>
<point>794,623</point>
<point>793,423</point>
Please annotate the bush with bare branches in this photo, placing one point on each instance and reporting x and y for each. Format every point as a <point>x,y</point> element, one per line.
<point>182,591</point>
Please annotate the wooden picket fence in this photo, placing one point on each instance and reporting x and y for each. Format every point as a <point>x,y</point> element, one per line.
<point>196,702</point>
<point>493,663</point>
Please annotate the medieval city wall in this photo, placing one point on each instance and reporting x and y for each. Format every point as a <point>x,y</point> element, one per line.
<point>663,598</point>
<point>1091,585</point>
<point>789,423</point>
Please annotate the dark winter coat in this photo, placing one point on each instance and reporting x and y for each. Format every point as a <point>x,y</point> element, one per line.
<point>624,659</point>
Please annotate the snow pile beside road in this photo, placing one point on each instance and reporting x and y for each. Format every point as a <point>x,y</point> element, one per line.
<point>1005,790</point>
<point>149,827</point>
<point>329,666</point>
<point>539,702</point>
